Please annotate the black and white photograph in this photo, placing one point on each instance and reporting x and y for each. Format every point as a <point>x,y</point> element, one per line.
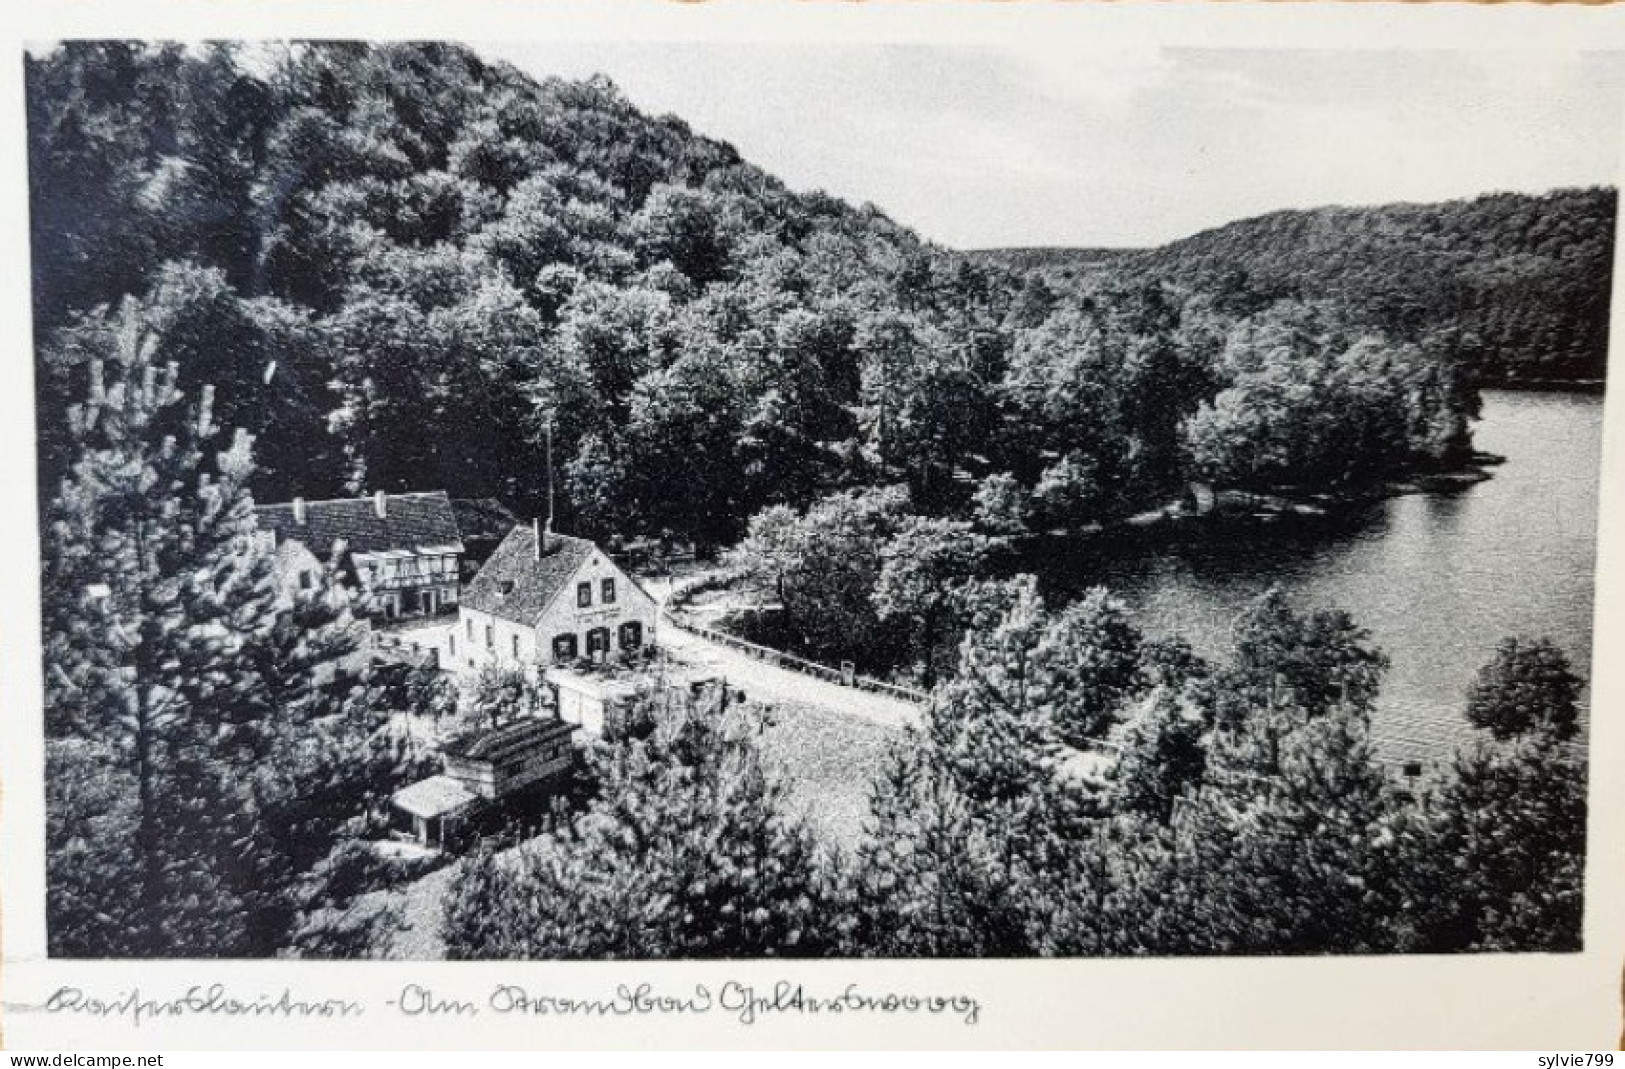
<point>584,501</point>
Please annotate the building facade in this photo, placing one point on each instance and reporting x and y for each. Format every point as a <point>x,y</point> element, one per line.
<point>402,550</point>
<point>548,599</point>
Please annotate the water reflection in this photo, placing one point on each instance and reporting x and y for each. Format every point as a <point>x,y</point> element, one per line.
<point>1438,578</point>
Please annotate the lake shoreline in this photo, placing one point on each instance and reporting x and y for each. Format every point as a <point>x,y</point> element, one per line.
<point>1233,509</point>
<point>1438,566</point>
<point>1594,387</point>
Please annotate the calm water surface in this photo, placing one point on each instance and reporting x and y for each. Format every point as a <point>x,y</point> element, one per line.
<point>1438,578</point>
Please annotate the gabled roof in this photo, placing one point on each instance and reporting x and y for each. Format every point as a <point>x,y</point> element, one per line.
<point>483,518</point>
<point>484,745</point>
<point>410,521</point>
<point>515,585</point>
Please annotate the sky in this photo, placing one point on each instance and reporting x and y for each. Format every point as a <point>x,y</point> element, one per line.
<point>979,147</point>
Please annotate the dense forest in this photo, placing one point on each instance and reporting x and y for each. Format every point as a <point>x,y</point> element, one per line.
<point>401,267</point>
<point>1518,286</point>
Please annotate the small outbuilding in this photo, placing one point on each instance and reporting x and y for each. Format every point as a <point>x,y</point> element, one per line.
<point>500,761</point>
<point>436,808</point>
<point>596,703</point>
<point>483,769</point>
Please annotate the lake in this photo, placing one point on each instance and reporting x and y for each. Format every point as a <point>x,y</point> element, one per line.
<point>1437,578</point>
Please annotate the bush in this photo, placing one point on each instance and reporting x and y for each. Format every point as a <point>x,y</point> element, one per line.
<point>356,868</point>
<point>359,931</point>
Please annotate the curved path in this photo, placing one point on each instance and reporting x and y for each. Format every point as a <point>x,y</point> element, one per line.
<point>765,682</point>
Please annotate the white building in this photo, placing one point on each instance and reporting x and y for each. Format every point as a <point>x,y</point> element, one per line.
<point>548,599</point>
<point>595,703</point>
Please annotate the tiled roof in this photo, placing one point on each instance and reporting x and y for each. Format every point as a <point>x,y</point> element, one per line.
<point>486,744</point>
<point>409,521</point>
<point>483,518</point>
<point>515,585</point>
<point>433,797</point>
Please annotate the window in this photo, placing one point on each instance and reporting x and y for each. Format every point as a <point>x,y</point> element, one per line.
<point>470,629</point>
<point>583,594</point>
<point>516,647</point>
<point>631,635</point>
<point>608,587</point>
<point>490,637</point>
<point>564,647</point>
<point>306,581</point>
<point>597,641</point>
<point>451,645</point>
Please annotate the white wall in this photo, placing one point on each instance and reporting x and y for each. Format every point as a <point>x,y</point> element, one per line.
<point>564,615</point>
<point>473,654</point>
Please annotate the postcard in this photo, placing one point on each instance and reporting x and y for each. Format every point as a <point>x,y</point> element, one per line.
<point>812,525</point>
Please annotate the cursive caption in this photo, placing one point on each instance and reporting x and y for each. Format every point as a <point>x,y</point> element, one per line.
<point>213,1000</point>
<point>744,1003</point>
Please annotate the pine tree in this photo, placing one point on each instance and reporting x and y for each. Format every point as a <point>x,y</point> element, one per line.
<point>972,823</point>
<point>1498,862</point>
<point>687,853</point>
<point>1528,689</point>
<point>169,646</point>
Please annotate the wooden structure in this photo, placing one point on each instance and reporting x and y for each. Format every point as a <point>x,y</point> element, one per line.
<point>436,809</point>
<point>496,763</point>
<point>481,770</point>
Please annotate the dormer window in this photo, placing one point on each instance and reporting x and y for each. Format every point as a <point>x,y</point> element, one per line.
<point>583,595</point>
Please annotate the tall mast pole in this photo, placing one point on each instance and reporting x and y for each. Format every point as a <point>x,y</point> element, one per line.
<point>550,474</point>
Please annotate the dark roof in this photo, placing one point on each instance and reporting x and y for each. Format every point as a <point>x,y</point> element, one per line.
<point>486,744</point>
<point>515,585</point>
<point>484,518</point>
<point>409,521</point>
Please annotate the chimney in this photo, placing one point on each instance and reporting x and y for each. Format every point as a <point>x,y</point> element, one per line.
<point>537,536</point>
<point>380,504</point>
<point>299,511</point>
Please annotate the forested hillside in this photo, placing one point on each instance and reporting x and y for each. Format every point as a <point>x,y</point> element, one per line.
<point>400,266</point>
<point>1519,285</point>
